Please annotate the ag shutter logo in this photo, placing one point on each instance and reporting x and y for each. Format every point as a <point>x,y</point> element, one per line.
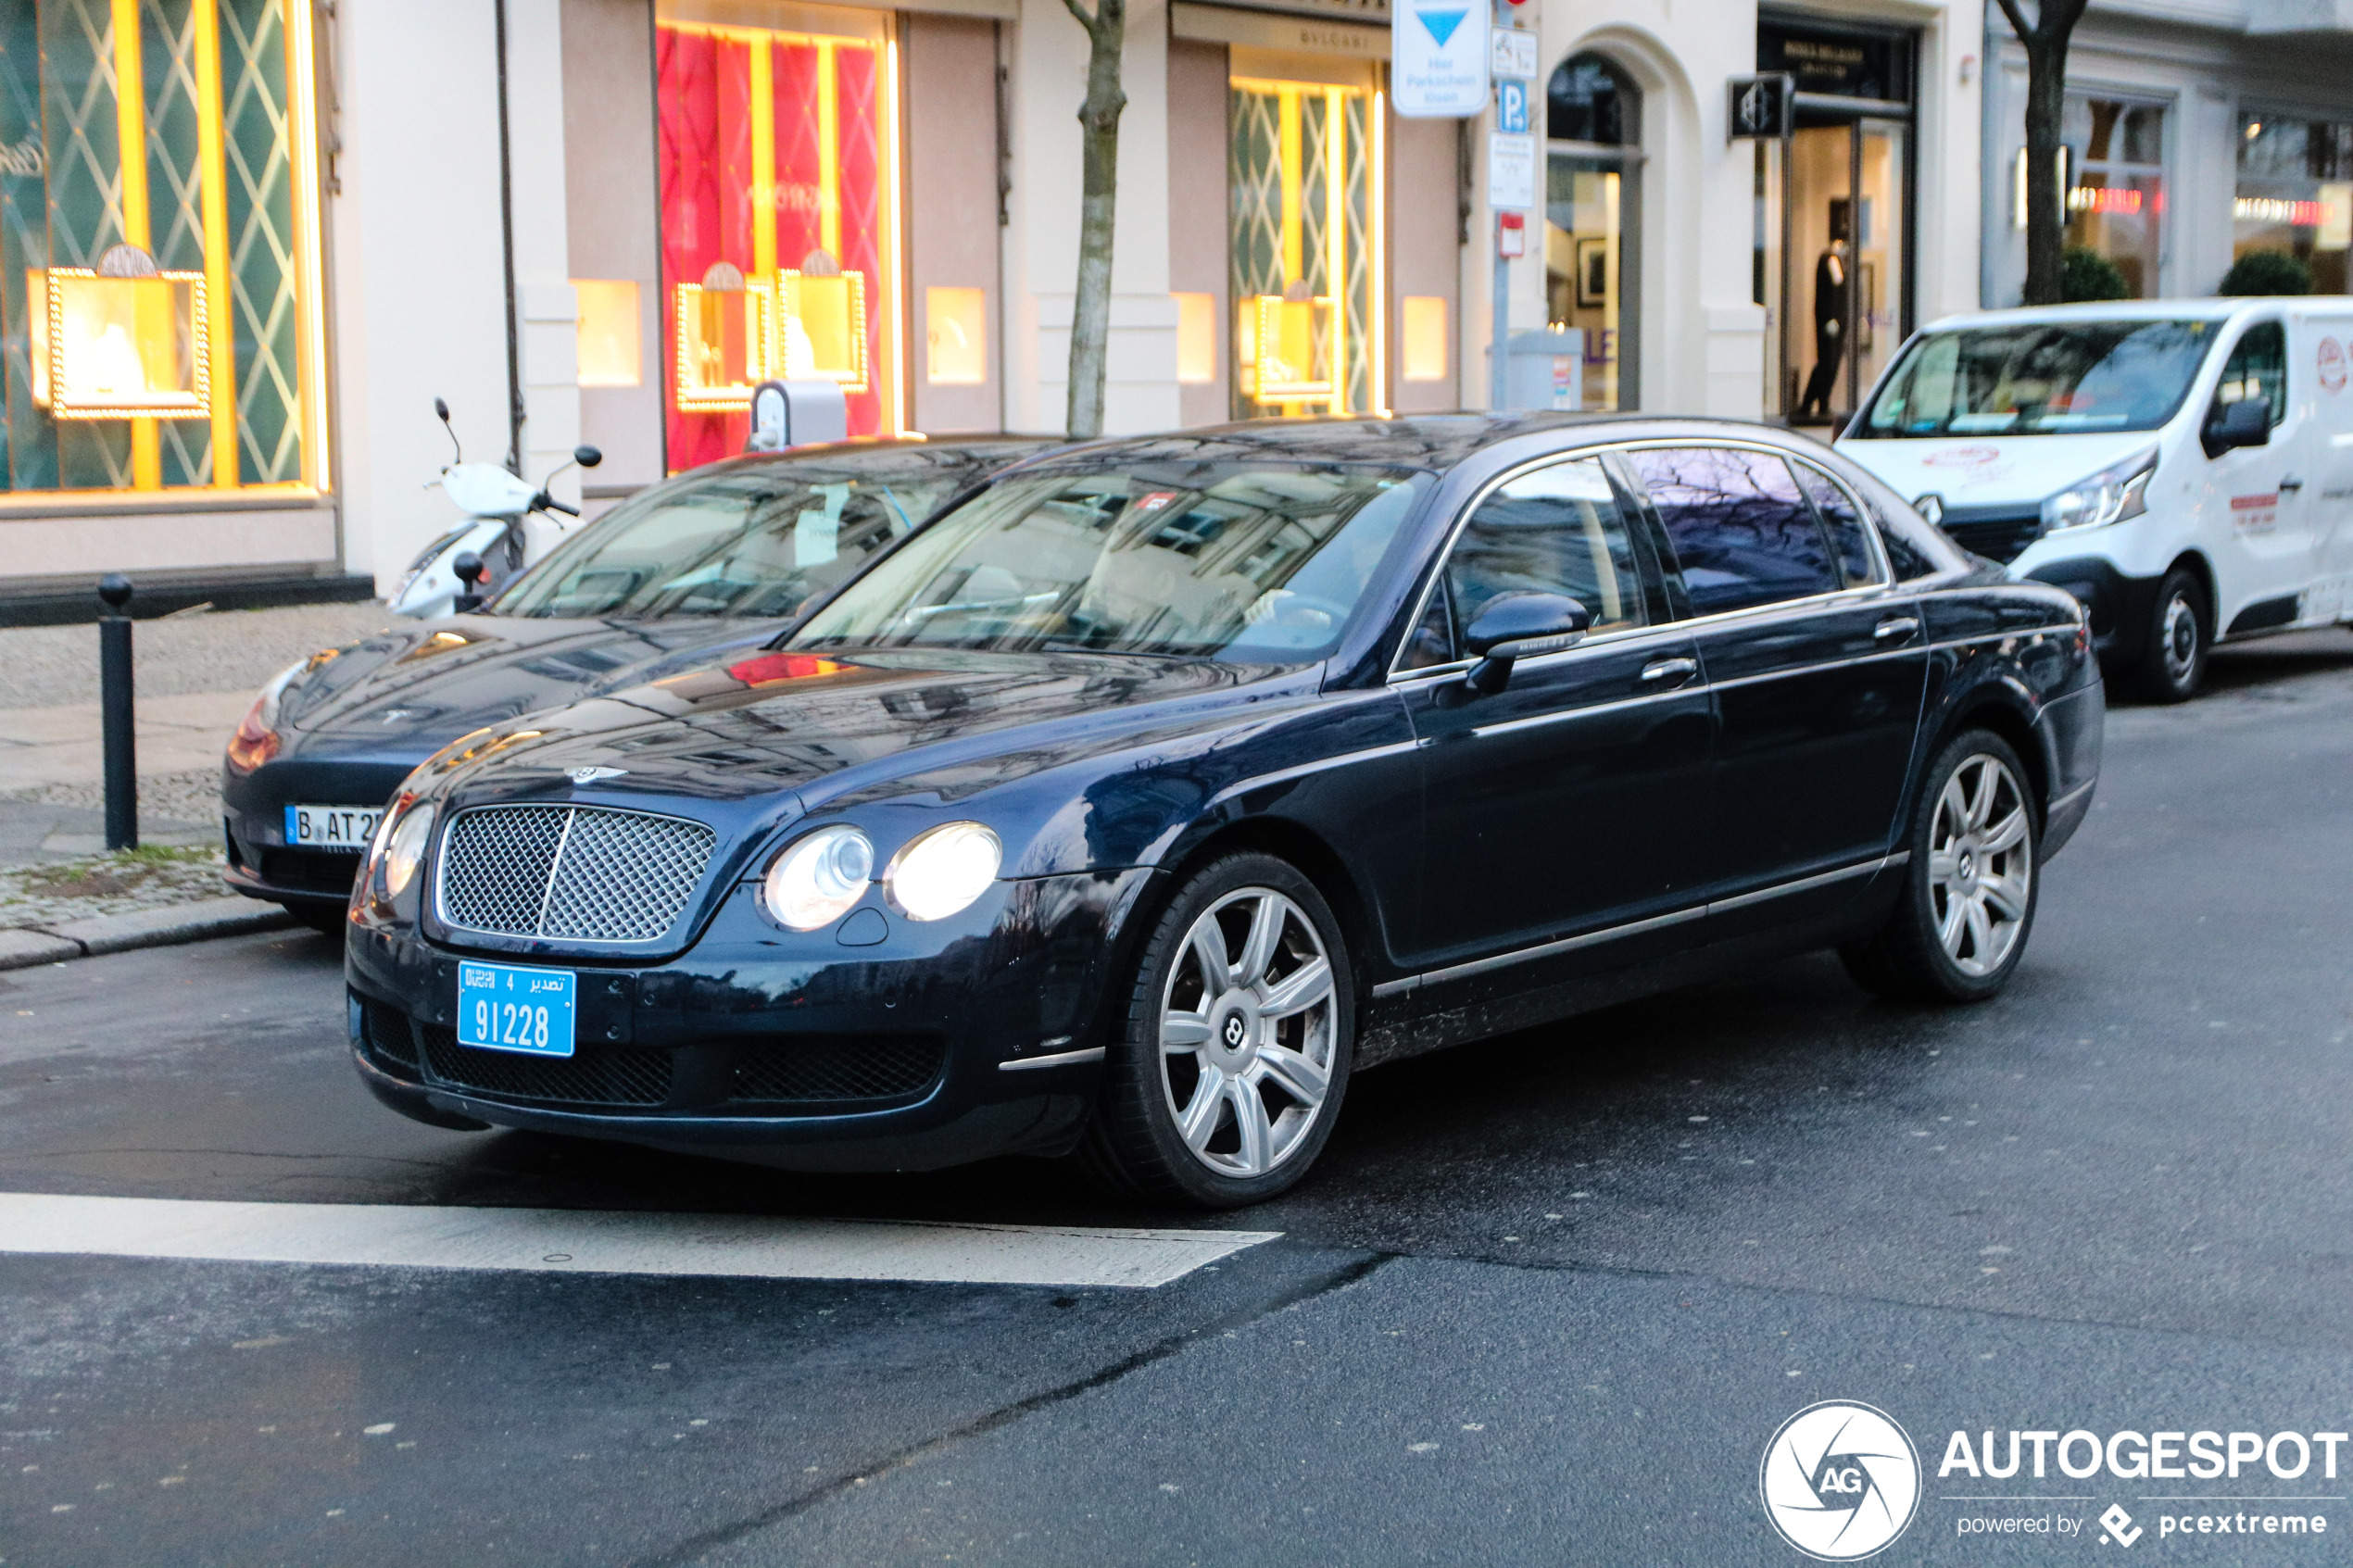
<point>1840,1480</point>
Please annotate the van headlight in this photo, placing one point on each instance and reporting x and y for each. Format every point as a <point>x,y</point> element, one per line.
<point>813,883</point>
<point>943,870</point>
<point>2110,496</point>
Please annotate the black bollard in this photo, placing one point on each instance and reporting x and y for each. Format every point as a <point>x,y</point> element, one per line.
<point>114,714</point>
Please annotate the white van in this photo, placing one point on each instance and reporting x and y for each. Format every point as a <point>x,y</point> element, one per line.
<point>2184,466</point>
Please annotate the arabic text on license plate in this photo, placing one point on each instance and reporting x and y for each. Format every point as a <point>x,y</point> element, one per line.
<point>502,1008</point>
<point>332,827</point>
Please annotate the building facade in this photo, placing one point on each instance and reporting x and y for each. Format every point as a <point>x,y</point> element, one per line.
<point>245,245</point>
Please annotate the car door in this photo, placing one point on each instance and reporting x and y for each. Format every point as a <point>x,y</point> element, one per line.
<point>2259,527</point>
<point>1816,666</point>
<point>1566,806</point>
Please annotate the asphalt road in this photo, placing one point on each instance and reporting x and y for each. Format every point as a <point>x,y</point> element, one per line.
<point>1546,1300</point>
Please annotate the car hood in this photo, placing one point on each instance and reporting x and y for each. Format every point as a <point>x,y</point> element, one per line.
<point>840,727</point>
<point>1994,470</point>
<point>416,688</point>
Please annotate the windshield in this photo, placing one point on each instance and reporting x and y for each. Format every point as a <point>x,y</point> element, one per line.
<point>1241,560</point>
<point>2040,379</point>
<point>756,541</point>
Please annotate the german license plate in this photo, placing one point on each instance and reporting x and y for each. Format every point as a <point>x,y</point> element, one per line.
<point>504,1008</point>
<point>332,827</point>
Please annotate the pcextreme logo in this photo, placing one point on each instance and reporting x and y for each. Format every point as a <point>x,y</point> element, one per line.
<point>1840,1480</point>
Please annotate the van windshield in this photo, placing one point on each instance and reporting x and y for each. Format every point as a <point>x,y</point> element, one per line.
<point>2039,378</point>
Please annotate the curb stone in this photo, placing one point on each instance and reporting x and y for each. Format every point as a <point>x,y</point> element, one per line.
<point>163,927</point>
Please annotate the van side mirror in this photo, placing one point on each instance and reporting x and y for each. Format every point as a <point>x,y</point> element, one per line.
<point>2247,423</point>
<point>1511,627</point>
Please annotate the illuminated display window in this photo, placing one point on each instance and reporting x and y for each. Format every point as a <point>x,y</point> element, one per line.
<point>2296,193</point>
<point>1304,170</point>
<point>611,350</point>
<point>1422,354</point>
<point>2116,203</point>
<point>1195,339</point>
<point>162,309</point>
<point>956,336</point>
<point>779,202</point>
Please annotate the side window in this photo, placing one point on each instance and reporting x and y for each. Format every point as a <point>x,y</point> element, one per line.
<point>2258,367</point>
<point>1556,531</point>
<point>1842,519</point>
<point>1742,532</point>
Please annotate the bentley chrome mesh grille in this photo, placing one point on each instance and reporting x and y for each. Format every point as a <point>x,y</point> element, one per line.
<point>585,873</point>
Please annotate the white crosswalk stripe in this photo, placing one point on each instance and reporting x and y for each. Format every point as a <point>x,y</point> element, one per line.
<point>564,1241</point>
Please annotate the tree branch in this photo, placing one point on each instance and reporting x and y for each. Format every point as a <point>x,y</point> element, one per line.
<point>2009,8</point>
<point>1087,17</point>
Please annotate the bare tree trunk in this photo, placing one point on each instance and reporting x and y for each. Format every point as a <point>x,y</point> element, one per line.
<point>1099,126</point>
<point>2045,45</point>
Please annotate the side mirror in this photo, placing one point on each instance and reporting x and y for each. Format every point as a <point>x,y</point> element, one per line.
<point>2247,423</point>
<point>1516,626</point>
<point>587,456</point>
<point>468,566</point>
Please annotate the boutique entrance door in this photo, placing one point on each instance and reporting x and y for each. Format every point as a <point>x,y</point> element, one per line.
<point>1304,177</point>
<point>1832,259</point>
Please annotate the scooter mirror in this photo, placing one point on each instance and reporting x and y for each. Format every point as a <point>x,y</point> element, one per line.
<point>441,410</point>
<point>587,456</point>
<point>468,566</point>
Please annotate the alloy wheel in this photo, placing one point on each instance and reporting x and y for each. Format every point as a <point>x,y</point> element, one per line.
<point>1247,1028</point>
<point>1981,865</point>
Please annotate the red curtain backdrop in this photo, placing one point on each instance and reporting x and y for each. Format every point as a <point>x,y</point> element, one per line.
<point>704,91</point>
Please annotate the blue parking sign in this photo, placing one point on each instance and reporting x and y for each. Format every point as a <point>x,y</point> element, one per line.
<point>1511,106</point>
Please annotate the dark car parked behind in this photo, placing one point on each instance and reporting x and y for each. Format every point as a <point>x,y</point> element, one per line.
<point>715,559</point>
<point>1131,805</point>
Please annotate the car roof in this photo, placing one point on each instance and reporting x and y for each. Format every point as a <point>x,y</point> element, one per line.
<point>872,456</point>
<point>2132,310</point>
<point>1426,440</point>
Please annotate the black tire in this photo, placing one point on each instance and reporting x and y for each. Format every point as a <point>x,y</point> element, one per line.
<point>1908,959</point>
<point>1133,1146</point>
<point>2180,635</point>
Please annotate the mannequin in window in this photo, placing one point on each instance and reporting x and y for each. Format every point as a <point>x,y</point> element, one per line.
<point>1832,284</point>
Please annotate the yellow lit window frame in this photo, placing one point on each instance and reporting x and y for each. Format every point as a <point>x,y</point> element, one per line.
<point>214,349</point>
<point>53,352</point>
<point>697,396</point>
<point>1293,396</point>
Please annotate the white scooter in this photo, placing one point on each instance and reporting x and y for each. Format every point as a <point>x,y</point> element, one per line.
<point>509,525</point>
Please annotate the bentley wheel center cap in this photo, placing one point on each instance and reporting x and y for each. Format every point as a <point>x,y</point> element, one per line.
<point>1233,1032</point>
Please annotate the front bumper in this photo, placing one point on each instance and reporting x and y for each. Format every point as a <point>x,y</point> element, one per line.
<point>2121,606</point>
<point>253,809</point>
<point>785,1048</point>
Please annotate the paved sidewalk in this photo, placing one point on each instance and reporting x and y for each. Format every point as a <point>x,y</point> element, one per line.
<point>196,676</point>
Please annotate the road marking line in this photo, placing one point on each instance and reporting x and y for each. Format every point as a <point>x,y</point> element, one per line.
<point>568,1241</point>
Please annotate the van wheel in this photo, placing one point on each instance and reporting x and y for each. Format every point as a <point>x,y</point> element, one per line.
<point>1961,925</point>
<point>1232,1056</point>
<point>2173,664</point>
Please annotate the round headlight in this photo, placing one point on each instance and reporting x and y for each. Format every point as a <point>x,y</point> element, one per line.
<point>405,851</point>
<point>943,870</point>
<point>814,883</point>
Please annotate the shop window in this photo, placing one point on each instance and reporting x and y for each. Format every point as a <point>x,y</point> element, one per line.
<point>956,336</point>
<point>778,177</point>
<point>610,338</point>
<point>2116,204</point>
<point>161,309</point>
<point>1594,114</point>
<point>1305,173</point>
<point>1422,356</point>
<point>1195,339</point>
<point>2296,193</point>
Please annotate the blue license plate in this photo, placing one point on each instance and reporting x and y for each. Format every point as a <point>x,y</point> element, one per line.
<point>503,1008</point>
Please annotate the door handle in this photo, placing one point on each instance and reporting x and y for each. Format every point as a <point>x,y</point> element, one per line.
<point>2291,482</point>
<point>1660,669</point>
<point>1895,626</point>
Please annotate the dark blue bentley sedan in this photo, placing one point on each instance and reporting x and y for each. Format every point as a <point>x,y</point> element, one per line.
<point>1132,806</point>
